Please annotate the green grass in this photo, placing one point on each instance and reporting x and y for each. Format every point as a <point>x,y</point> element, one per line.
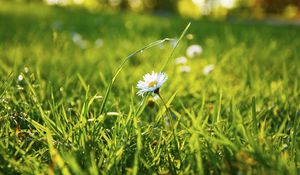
<point>243,118</point>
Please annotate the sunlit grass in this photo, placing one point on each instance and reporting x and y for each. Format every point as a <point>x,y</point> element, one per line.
<point>241,116</point>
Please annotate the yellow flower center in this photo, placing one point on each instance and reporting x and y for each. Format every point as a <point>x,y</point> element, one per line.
<point>152,84</point>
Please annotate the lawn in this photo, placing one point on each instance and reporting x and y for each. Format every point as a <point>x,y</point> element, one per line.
<point>57,65</point>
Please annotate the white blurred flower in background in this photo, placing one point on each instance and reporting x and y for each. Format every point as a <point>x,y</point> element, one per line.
<point>208,69</point>
<point>194,50</point>
<point>99,42</point>
<point>77,39</point>
<point>181,60</point>
<point>20,77</point>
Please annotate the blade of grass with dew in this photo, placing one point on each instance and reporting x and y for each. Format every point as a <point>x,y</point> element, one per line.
<point>173,50</point>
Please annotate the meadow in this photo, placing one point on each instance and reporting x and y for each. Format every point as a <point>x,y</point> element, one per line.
<point>63,110</point>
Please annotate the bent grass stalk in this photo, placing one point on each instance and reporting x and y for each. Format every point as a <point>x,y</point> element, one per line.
<point>155,43</point>
<point>173,50</point>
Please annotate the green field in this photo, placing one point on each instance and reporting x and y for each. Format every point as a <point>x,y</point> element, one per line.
<point>57,63</point>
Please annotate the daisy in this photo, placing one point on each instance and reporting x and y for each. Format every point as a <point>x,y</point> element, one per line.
<point>209,68</point>
<point>180,60</point>
<point>77,39</point>
<point>99,42</point>
<point>151,83</point>
<point>194,50</point>
<point>20,77</point>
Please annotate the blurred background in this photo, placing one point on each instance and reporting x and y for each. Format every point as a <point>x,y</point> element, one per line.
<point>249,9</point>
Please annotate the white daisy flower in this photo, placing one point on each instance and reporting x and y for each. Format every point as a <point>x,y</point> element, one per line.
<point>151,83</point>
<point>209,68</point>
<point>76,37</point>
<point>99,42</point>
<point>20,77</point>
<point>194,50</point>
<point>180,60</point>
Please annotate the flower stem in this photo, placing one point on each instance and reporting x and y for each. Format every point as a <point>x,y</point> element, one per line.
<point>171,123</point>
<point>168,111</point>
